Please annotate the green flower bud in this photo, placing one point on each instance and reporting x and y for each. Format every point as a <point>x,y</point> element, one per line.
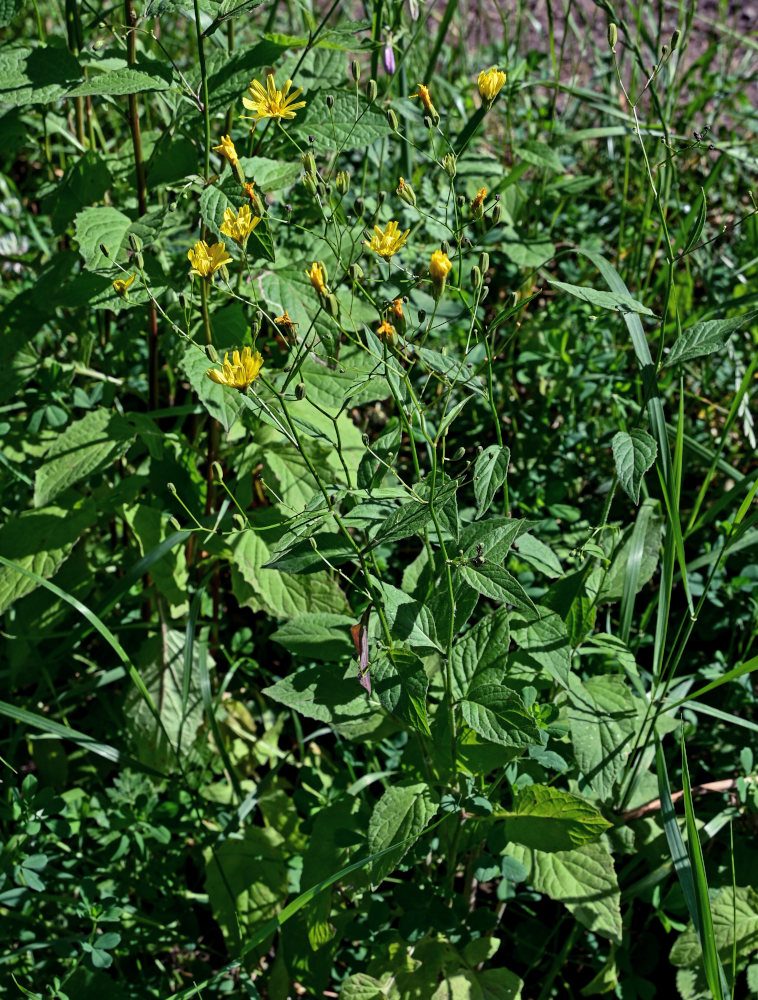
<point>429,121</point>
<point>613,36</point>
<point>365,440</point>
<point>484,293</point>
<point>675,39</point>
<point>392,119</point>
<point>448,164</point>
<point>495,214</point>
<point>211,353</point>
<point>355,271</point>
<point>309,183</point>
<point>460,200</point>
<point>360,206</point>
<point>238,172</point>
<point>329,101</point>
<point>300,390</point>
<point>309,163</point>
<point>476,276</point>
<point>171,488</point>
<point>406,192</point>
<point>355,68</point>
<point>371,91</point>
<point>104,251</point>
<point>460,452</point>
<point>332,306</point>
<point>135,242</point>
<point>484,261</point>
<point>343,182</point>
<point>445,248</point>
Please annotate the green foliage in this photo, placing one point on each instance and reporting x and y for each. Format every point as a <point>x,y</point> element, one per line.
<point>355,595</point>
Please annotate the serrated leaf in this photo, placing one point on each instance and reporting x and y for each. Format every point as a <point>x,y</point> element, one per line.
<point>495,582</point>
<point>328,694</point>
<point>409,621</point>
<point>498,715</point>
<point>490,984</point>
<point>549,819</point>
<point>412,517</point>
<point>37,74</point>
<point>308,555</point>
<point>583,879</point>
<point>705,338</point>
<point>83,449</point>
<point>403,811</point>
<point>735,917</point>
<point>490,471</point>
<point>481,652</point>
<point>634,453</point>
<point>103,225</point>
<point>615,301</point>
<point>400,684</point>
<point>150,76</point>
<point>320,636</point>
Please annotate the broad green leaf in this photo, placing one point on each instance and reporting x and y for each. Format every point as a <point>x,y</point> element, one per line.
<point>521,250</point>
<point>37,74</point>
<point>320,636</point>
<point>615,301</point>
<point>160,664</point>
<point>84,449</point>
<point>41,541</point>
<point>492,538</point>
<point>604,718</point>
<point>8,10</point>
<point>534,552</point>
<point>498,714</point>
<point>100,226</point>
<point>497,583</point>
<point>271,175</point>
<point>410,622</point>
<point>539,154</point>
<point>613,584</point>
<point>400,684</point>
<point>414,515</point>
<point>634,453</point>
<point>490,471</point>
<point>490,984</point>
<point>339,128</point>
<point>85,181</point>
<point>150,75</point>
<point>246,881</point>
<point>481,652</point>
<point>361,986</point>
<point>543,644</point>
<point>452,369</point>
<point>403,811</point>
<point>735,917</point>
<point>702,339</point>
<point>328,694</point>
<point>312,553</point>
<point>583,879</point>
<point>549,819</point>
<point>169,573</point>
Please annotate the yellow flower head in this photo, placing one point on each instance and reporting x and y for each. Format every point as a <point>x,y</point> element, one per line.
<point>490,83</point>
<point>285,324</point>
<point>243,370</point>
<point>121,287</point>
<point>426,100</point>
<point>388,242</point>
<point>227,150</point>
<point>386,332</point>
<point>477,203</point>
<point>317,274</point>
<point>269,102</point>
<point>238,227</point>
<point>206,260</point>
<point>439,268</point>
<point>396,310</point>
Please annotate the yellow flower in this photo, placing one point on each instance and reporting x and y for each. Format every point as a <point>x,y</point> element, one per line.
<point>490,83</point>
<point>227,150</point>
<point>270,102</point>
<point>285,323</point>
<point>477,202</point>
<point>423,93</point>
<point>388,242</point>
<point>238,227</point>
<point>206,260</point>
<point>386,332</point>
<point>317,274</point>
<point>243,370</point>
<point>121,287</point>
<point>439,268</point>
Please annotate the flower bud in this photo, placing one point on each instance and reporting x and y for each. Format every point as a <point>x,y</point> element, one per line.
<point>476,276</point>
<point>355,69</point>
<point>484,261</point>
<point>392,119</point>
<point>388,58</point>
<point>135,242</point>
<point>309,163</point>
<point>255,326</point>
<point>371,91</point>
<point>406,192</point>
<point>439,268</point>
<point>448,165</point>
<point>484,293</point>
<point>309,183</point>
<point>421,315</point>
<point>355,271</point>
<point>495,214</point>
<point>320,190</point>
<point>460,200</point>
<point>613,35</point>
<point>366,440</point>
<point>211,353</point>
<point>238,172</point>
<point>429,122</point>
<point>459,453</point>
<point>445,247</point>
<point>381,197</point>
<point>359,206</point>
<point>300,390</point>
<point>675,39</point>
<point>329,101</point>
<point>171,488</point>
<point>343,182</point>
<point>174,523</point>
<point>331,305</point>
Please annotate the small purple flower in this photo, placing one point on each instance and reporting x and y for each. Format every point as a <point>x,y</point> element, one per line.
<point>389,57</point>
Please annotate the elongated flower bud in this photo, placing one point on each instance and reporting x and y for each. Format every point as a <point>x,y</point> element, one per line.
<point>448,163</point>
<point>342,182</point>
<point>371,91</point>
<point>211,353</point>
<point>300,390</point>
<point>355,69</point>
<point>392,119</point>
<point>613,36</point>
<point>484,261</point>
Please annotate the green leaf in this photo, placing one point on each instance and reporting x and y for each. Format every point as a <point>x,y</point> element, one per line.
<point>85,181</point>
<point>94,227</point>
<point>404,811</point>
<point>246,882</point>
<point>539,154</point>
<point>495,582</point>
<point>583,879</point>
<point>309,554</point>
<point>411,622</point>
<point>151,75</point>
<point>534,552</point>
<point>400,684</point>
<point>702,339</point>
<point>491,984</point>
<point>37,74</point>
<point>481,653</point>
<point>613,584</point>
<point>83,449</point>
<point>339,128</point>
<point>160,663</point>
<point>414,515</point>
<point>735,918</point>
<point>549,819</point>
<point>40,541</point>
<point>320,636</point>
<point>490,471</point>
<point>361,986</point>
<point>328,694</point>
<point>604,718</point>
<point>498,714</point>
<point>634,453</point>
<point>8,10</point>
<point>271,175</point>
<point>543,645</point>
<point>615,301</point>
